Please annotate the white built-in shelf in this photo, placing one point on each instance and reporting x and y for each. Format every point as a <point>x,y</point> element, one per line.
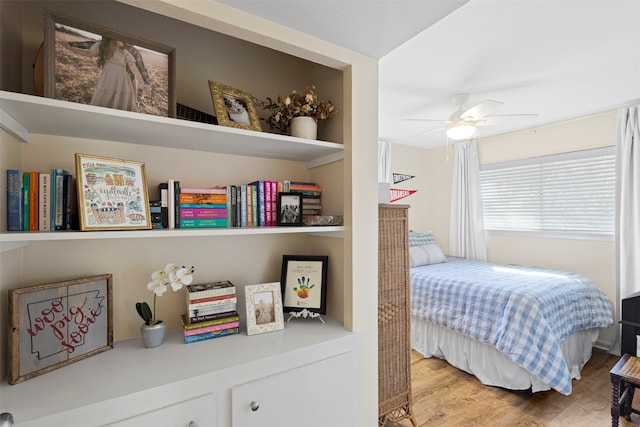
<point>22,115</point>
<point>18,239</point>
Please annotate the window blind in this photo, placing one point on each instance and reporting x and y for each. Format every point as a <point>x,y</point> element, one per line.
<point>567,193</point>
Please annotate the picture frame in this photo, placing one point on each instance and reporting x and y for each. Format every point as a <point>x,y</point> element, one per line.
<point>304,283</point>
<point>234,107</point>
<point>112,194</point>
<point>71,71</point>
<point>55,324</point>
<point>289,209</point>
<point>264,308</point>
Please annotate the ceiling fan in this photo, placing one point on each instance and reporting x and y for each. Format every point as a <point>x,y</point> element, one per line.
<point>463,121</point>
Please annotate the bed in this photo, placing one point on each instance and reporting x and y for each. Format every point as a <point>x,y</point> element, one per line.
<point>511,326</point>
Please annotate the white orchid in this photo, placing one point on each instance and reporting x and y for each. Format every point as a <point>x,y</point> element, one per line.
<point>173,275</point>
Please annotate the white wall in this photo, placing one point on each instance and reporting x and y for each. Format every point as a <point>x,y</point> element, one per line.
<point>430,206</point>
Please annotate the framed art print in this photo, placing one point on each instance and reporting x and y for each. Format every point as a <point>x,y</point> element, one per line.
<point>304,283</point>
<point>289,209</point>
<point>264,308</point>
<point>55,324</point>
<point>233,107</point>
<point>91,64</point>
<point>112,194</point>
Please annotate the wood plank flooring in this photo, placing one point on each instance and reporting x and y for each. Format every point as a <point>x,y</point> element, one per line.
<point>448,397</point>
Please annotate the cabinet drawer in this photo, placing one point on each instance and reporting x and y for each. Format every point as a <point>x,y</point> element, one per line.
<point>198,412</point>
<point>318,394</point>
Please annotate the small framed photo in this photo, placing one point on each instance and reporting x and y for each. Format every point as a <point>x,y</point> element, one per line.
<point>233,107</point>
<point>112,194</point>
<point>55,324</point>
<point>289,209</point>
<point>91,64</point>
<point>304,283</point>
<point>264,308</point>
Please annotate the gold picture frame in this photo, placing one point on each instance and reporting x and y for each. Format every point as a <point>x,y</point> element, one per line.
<point>112,194</point>
<point>264,308</point>
<point>234,107</point>
<point>55,324</point>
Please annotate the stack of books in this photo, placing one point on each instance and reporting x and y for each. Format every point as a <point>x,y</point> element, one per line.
<point>202,207</point>
<point>211,311</point>
<point>311,193</point>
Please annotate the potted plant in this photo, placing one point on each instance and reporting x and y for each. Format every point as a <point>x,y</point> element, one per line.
<point>300,111</point>
<point>153,329</point>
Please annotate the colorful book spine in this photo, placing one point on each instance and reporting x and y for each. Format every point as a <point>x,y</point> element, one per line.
<point>191,198</point>
<point>227,318</point>
<point>202,213</point>
<point>211,335</point>
<point>243,201</point>
<point>274,202</point>
<point>204,205</point>
<point>14,200</point>
<point>34,179</point>
<point>192,190</point>
<point>249,206</point>
<point>254,203</point>
<point>44,199</point>
<point>203,223</point>
<point>26,193</point>
<point>213,328</point>
<point>262,219</point>
<point>269,220</point>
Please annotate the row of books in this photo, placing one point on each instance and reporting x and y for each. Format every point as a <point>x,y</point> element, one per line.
<point>40,201</point>
<point>211,311</point>
<point>245,205</point>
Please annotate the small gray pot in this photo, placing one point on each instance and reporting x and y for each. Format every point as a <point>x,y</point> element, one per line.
<point>153,335</point>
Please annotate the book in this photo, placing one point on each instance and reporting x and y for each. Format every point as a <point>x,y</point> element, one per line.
<point>163,192</point>
<point>268,219</point>
<point>204,205</point>
<point>274,202</point>
<point>254,205</point>
<point>212,289</point>
<point>192,305</point>
<point>25,200</point>
<point>192,190</point>
<point>231,317</point>
<point>68,202</point>
<point>211,335</point>
<point>171,203</point>
<point>57,198</point>
<point>260,202</point>
<point>207,299</point>
<point>211,328</point>
<point>243,200</point>
<point>202,222</point>
<point>213,316</point>
<point>249,206</point>
<point>202,212</point>
<point>195,312</point>
<point>44,195</point>
<point>34,187</point>
<point>14,200</point>
<point>190,198</point>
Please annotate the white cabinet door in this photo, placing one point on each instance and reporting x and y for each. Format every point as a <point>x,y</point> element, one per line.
<point>318,394</point>
<point>198,412</point>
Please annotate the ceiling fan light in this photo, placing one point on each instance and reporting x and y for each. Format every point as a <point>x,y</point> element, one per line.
<point>459,132</point>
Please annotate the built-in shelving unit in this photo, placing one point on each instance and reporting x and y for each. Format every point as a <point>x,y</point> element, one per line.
<point>22,115</point>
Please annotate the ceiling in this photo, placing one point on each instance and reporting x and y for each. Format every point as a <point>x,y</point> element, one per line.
<point>559,59</point>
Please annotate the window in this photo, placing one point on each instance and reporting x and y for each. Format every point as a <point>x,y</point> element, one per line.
<point>571,194</point>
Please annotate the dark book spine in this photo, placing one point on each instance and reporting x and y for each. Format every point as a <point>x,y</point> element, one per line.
<point>67,201</point>
<point>14,200</point>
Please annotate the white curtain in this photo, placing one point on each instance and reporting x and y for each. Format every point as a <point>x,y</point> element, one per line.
<point>466,234</point>
<point>384,161</point>
<point>628,202</point>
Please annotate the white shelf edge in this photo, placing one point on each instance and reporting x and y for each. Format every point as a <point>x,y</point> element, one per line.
<point>23,115</point>
<point>15,240</point>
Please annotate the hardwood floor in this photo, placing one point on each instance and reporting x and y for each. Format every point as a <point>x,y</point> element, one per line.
<point>448,397</point>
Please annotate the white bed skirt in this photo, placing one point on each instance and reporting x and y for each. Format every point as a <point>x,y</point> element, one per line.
<point>489,365</point>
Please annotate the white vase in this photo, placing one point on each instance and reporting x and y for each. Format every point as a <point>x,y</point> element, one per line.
<point>153,335</point>
<point>304,127</point>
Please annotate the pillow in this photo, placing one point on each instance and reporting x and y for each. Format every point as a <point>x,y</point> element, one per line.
<point>419,239</point>
<point>425,255</point>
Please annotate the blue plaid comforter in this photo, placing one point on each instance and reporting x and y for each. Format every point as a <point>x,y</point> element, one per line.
<point>525,312</point>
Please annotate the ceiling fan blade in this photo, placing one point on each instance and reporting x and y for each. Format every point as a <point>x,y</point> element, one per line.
<point>481,110</point>
<point>507,119</point>
<point>427,131</point>
<point>426,120</point>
